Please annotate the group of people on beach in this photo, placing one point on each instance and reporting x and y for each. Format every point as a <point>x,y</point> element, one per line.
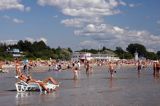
<point>23,70</point>
<point>156,68</point>
<point>89,68</point>
<point>111,65</point>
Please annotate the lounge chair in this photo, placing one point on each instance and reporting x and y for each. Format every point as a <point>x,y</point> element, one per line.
<point>22,86</point>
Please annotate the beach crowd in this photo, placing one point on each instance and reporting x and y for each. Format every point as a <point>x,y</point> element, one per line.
<point>24,68</point>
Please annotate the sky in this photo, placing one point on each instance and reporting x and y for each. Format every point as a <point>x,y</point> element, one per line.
<point>82,24</point>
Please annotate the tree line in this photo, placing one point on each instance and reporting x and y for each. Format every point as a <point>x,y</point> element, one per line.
<point>140,49</point>
<point>129,52</point>
<point>39,49</point>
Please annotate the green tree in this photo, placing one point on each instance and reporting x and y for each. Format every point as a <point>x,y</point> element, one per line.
<point>127,55</point>
<point>70,50</point>
<point>119,50</point>
<point>132,48</point>
<point>158,54</point>
<point>3,47</point>
<point>104,48</point>
<point>123,54</point>
<point>151,55</point>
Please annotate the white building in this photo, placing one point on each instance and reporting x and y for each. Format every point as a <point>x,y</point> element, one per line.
<point>16,53</point>
<point>76,56</point>
<point>106,57</point>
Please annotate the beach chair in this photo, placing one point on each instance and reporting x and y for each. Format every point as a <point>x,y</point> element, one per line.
<point>22,86</point>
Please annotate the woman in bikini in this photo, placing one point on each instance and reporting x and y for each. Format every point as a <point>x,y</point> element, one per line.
<point>29,79</point>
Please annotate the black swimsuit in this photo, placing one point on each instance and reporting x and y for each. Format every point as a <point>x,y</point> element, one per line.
<point>28,80</point>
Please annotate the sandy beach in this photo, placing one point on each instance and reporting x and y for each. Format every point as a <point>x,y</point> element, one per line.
<point>127,88</point>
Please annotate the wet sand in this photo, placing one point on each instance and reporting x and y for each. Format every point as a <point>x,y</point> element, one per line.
<point>127,88</point>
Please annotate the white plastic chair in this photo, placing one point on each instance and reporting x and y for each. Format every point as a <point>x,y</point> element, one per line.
<point>22,86</point>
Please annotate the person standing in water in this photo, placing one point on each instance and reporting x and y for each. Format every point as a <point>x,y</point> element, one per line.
<point>111,69</point>
<point>88,68</point>
<point>75,71</point>
<point>154,68</point>
<point>139,66</point>
<point>157,68</point>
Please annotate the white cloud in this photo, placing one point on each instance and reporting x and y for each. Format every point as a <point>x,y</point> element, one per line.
<point>92,29</point>
<point>11,4</point>
<point>18,21</point>
<point>73,22</point>
<point>38,39</point>
<point>80,22</point>
<point>9,42</point>
<point>151,50</point>
<point>82,12</point>
<point>14,41</point>
<point>85,7</point>
<point>42,39</point>
<point>113,36</point>
<point>15,20</point>
<point>89,44</point>
<point>118,30</point>
<point>123,3</point>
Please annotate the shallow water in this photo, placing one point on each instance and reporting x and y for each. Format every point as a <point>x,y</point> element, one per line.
<point>127,88</point>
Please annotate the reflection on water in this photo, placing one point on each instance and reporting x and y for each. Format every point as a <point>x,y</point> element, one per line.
<point>139,73</point>
<point>126,88</point>
<point>156,77</point>
<point>30,98</point>
<point>22,95</point>
<point>111,82</point>
<point>75,82</point>
<point>22,98</point>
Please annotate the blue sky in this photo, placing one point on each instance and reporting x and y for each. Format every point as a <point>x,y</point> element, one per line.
<point>82,23</point>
